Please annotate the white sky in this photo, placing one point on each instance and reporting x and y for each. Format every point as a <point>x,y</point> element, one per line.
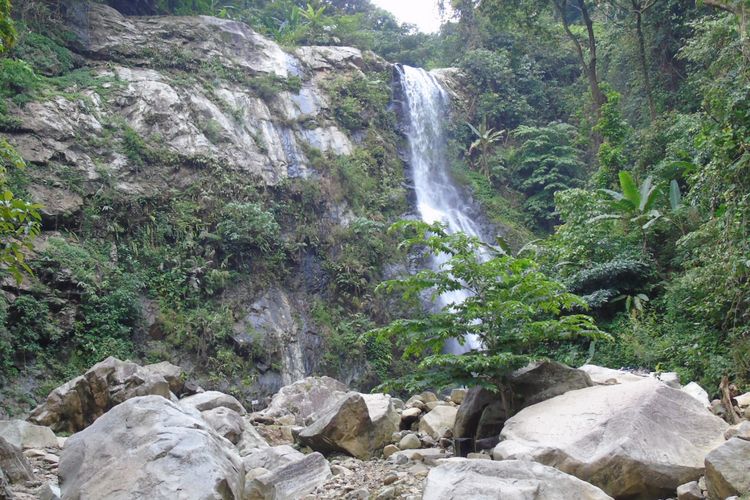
<point>423,13</point>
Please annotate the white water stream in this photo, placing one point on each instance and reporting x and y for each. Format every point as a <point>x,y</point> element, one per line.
<point>438,198</point>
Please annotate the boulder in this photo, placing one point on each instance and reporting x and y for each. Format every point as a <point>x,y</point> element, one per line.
<point>608,376</point>
<point>477,402</point>
<point>741,430</point>
<point>458,395</point>
<point>272,458</point>
<point>293,480</point>
<point>461,479</point>
<point>409,442</point>
<point>149,447</point>
<point>697,392</point>
<point>305,398</point>
<point>728,469</point>
<point>76,404</point>
<point>482,412</point>
<point>27,435</point>
<point>672,379</point>
<point>743,400</point>
<point>409,416</point>
<point>173,374</point>
<point>689,491</point>
<point>635,439</point>
<point>358,424</point>
<point>250,440</point>
<point>209,400</point>
<point>227,423</point>
<point>13,463</point>
<point>437,422</point>
<point>542,380</point>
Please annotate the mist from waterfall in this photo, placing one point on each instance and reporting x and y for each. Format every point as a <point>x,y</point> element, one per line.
<point>438,198</point>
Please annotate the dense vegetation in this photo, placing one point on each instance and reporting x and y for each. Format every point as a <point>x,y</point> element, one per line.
<point>610,136</point>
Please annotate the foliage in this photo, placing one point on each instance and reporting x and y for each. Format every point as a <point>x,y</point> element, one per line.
<point>7,28</point>
<point>19,219</point>
<point>247,227</point>
<point>485,139</point>
<point>546,162</point>
<point>513,307</point>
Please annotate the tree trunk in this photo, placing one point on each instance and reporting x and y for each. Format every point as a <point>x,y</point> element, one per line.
<point>589,65</point>
<point>638,11</point>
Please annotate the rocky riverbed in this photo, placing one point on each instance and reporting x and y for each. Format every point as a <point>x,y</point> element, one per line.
<point>144,432</point>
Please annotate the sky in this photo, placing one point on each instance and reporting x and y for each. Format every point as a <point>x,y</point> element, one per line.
<point>423,13</point>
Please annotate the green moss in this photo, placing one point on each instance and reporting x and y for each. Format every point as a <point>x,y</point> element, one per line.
<point>45,55</point>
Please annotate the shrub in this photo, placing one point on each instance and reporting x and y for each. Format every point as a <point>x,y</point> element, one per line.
<point>248,227</point>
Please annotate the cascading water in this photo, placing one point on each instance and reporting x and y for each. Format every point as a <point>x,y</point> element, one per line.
<point>438,199</point>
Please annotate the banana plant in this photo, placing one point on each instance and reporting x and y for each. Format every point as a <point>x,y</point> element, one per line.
<point>635,203</point>
<point>486,138</point>
<point>311,14</point>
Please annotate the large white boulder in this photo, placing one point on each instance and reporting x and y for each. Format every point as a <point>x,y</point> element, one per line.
<point>697,392</point>
<point>482,412</point>
<point>149,447</point>
<point>462,479</point>
<point>24,434</point>
<point>641,438</point>
<point>204,401</point>
<point>728,469</point>
<point>305,398</point>
<point>77,403</point>
<point>14,466</point>
<point>292,480</point>
<point>439,421</point>
<point>272,458</point>
<point>358,424</point>
<point>603,375</point>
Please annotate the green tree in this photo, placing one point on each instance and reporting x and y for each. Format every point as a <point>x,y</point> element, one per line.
<point>546,162</point>
<point>486,138</point>
<point>7,28</point>
<point>513,308</point>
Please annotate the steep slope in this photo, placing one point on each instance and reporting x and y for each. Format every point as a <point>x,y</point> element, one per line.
<point>209,198</point>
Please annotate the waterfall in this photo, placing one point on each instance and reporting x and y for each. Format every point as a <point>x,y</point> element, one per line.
<point>426,105</point>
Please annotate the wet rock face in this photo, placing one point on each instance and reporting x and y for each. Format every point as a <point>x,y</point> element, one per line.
<point>271,321</point>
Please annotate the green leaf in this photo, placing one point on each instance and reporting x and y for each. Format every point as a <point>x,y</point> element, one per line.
<point>629,190</point>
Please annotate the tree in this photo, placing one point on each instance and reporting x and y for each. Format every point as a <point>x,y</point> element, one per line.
<point>512,309</point>
<point>741,9</point>
<point>546,162</point>
<point>587,56</point>
<point>638,8</point>
<point>485,141</point>
<point>7,29</point>
<point>19,219</point>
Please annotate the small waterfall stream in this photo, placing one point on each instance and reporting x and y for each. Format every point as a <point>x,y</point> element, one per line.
<point>426,105</point>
